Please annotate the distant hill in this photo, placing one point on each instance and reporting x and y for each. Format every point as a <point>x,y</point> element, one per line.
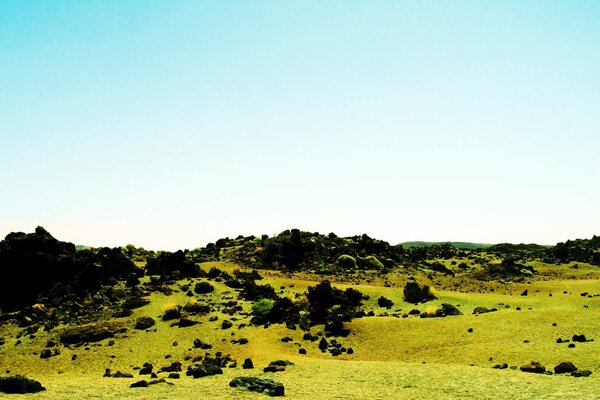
<point>458,245</point>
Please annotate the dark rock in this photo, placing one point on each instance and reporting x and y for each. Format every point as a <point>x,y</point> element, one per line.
<point>144,323</point>
<point>146,369</point>
<point>412,292</point>
<point>501,366</point>
<point>186,322</point>
<point>525,293</point>
<point>565,367</point>
<point>19,385</point>
<point>203,288</point>
<point>534,367</point>
<point>483,310</point>
<point>139,384</point>
<point>449,309</point>
<point>385,302</point>
<point>283,363</point>
<point>226,324</point>
<point>301,350</point>
<point>323,344</point>
<point>199,344</point>
<point>260,385</point>
<point>46,353</point>
<point>174,367</point>
<point>274,368</point>
<point>172,313</point>
<point>120,374</point>
<point>579,338</point>
<point>248,364</point>
<point>174,375</point>
<point>90,333</point>
<point>581,373</point>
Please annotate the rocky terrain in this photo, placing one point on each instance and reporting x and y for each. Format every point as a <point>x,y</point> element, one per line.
<point>264,314</point>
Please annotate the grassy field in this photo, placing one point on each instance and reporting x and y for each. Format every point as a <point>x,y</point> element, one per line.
<point>394,357</point>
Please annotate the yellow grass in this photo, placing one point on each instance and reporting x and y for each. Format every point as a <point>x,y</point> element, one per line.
<point>395,357</point>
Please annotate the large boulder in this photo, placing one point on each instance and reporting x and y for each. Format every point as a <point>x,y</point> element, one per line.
<point>414,293</point>
<point>19,385</point>
<point>90,333</point>
<point>565,367</point>
<point>260,385</point>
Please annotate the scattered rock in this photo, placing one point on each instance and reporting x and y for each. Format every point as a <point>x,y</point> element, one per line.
<point>267,386</point>
<point>248,364</point>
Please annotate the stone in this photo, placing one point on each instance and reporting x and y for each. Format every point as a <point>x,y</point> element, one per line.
<point>579,374</point>
<point>90,333</point>
<point>144,323</point>
<point>226,324</point>
<point>565,367</point>
<point>534,367</point>
<point>267,386</point>
<point>18,384</point>
<point>248,364</point>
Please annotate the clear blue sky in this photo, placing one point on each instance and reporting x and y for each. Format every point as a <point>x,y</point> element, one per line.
<point>170,124</point>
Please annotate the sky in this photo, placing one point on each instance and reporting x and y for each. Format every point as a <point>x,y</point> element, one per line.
<point>172,124</point>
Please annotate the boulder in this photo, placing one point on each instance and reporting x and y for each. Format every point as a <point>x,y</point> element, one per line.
<point>144,323</point>
<point>385,302</point>
<point>483,310</point>
<point>534,367</point>
<point>565,367</point>
<point>203,288</point>
<point>267,386</point>
<point>412,292</point>
<point>18,384</point>
<point>248,364</point>
<point>90,333</point>
<point>579,374</point>
<point>449,309</point>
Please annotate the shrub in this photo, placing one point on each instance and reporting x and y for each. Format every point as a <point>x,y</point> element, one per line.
<point>262,306</point>
<point>346,262</point>
<point>374,262</point>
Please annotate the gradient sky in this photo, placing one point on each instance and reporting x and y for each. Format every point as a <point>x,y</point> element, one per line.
<point>170,124</point>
